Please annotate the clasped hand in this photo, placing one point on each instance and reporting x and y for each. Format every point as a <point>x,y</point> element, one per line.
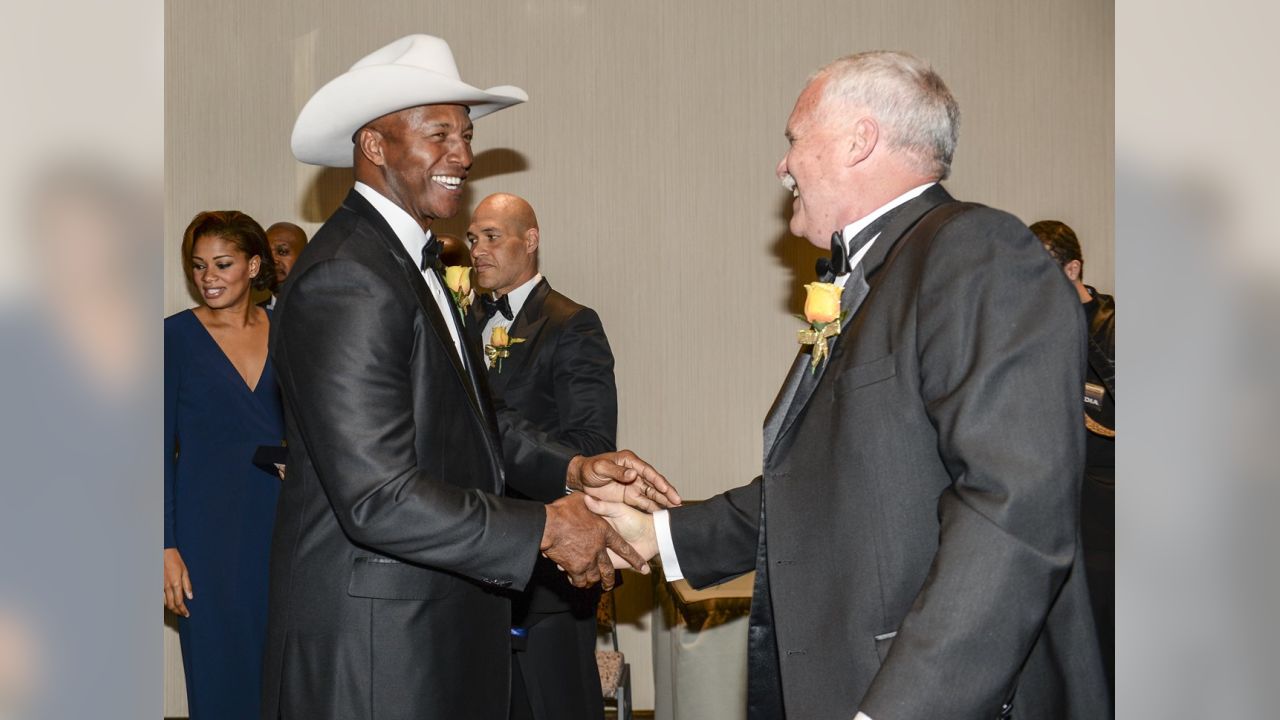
<point>583,544</point>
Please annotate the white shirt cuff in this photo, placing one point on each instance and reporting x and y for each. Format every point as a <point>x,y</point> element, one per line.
<point>666,548</point>
<point>862,716</point>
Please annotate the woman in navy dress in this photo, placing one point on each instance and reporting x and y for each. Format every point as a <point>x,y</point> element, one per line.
<point>221,403</point>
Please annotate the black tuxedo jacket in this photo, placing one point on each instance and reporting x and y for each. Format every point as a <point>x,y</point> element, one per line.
<point>915,528</point>
<point>392,541</point>
<point>560,379</point>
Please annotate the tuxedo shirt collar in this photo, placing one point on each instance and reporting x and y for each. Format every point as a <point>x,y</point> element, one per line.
<point>518,296</point>
<point>407,230</point>
<point>852,229</point>
<point>414,239</point>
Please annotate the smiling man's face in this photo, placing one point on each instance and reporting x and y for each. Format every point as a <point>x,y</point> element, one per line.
<point>427,155</point>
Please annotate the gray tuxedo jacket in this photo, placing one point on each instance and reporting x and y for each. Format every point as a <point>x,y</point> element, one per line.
<point>392,545</point>
<point>915,527</point>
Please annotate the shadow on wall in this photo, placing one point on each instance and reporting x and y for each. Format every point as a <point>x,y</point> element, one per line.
<point>798,256</point>
<point>328,189</point>
<point>331,185</point>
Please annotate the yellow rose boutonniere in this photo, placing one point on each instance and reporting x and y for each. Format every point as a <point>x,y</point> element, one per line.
<point>499,346</point>
<point>458,279</point>
<point>822,312</point>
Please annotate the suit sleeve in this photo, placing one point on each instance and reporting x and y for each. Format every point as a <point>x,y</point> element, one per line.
<point>172,380</point>
<point>1001,352</point>
<point>586,396</point>
<point>586,402</point>
<point>537,465</point>
<point>716,540</point>
<point>346,333</point>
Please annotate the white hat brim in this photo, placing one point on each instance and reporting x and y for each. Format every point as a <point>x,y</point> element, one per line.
<point>322,134</point>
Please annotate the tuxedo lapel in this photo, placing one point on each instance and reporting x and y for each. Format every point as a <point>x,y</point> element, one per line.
<point>890,229</point>
<point>526,325</point>
<point>773,421</point>
<point>855,291</point>
<point>357,204</point>
<point>899,221</point>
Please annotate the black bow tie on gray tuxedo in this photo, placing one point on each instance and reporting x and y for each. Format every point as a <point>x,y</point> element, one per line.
<point>828,269</point>
<point>493,307</point>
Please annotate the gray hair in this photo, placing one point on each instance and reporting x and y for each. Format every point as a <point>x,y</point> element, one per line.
<point>915,109</point>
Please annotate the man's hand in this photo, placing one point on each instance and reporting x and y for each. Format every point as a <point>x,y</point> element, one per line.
<point>621,477</point>
<point>584,545</point>
<point>634,526</point>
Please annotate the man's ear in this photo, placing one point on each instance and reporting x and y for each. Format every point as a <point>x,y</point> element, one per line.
<point>862,139</point>
<point>1072,269</point>
<point>370,144</point>
<point>531,239</point>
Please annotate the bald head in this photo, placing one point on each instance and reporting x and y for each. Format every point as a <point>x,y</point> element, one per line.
<point>286,241</point>
<point>504,238</point>
<point>514,208</point>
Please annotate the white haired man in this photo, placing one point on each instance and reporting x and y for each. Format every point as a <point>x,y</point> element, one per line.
<point>914,532</point>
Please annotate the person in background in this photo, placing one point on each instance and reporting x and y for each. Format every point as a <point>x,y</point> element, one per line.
<point>221,402</point>
<point>558,374</point>
<point>1098,494</point>
<point>287,242</point>
<point>453,252</point>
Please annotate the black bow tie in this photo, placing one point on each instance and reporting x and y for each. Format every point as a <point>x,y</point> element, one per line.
<point>493,307</point>
<point>430,255</point>
<point>838,264</point>
<point>829,269</point>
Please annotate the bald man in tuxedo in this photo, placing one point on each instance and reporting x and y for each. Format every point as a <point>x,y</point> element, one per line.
<point>560,378</point>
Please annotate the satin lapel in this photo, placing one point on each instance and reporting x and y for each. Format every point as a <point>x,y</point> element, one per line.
<point>901,221</point>
<point>855,291</point>
<point>903,218</point>
<point>526,325</point>
<point>778,411</point>
<point>413,275</point>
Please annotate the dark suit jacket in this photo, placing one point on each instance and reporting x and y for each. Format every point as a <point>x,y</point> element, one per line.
<point>920,510</point>
<point>560,379</point>
<point>392,539</point>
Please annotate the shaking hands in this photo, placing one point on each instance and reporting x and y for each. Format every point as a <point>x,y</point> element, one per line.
<point>602,527</point>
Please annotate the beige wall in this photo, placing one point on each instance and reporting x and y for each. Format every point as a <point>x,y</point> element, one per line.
<point>648,149</point>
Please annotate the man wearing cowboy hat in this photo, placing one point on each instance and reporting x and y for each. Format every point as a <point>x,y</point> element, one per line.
<point>393,547</point>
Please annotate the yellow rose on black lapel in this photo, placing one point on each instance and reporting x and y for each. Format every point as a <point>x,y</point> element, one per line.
<point>499,337</point>
<point>458,279</point>
<point>499,346</point>
<point>822,311</point>
<point>822,304</point>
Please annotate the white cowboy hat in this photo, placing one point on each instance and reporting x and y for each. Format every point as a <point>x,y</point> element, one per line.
<point>414,70</point>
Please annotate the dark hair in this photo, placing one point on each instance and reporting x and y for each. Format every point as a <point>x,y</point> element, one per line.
<point>1060,241</point>
<point>240,230</point>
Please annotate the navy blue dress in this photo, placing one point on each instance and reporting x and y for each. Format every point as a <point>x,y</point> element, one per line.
<point>218,512</point>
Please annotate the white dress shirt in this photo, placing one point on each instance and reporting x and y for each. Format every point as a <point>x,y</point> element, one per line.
<point>661,519</point>
<point>516,298</point>
<point>412,236</point>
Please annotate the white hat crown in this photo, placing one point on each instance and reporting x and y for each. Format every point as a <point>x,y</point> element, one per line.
<point>414,70</point>
<point>425,52</point>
